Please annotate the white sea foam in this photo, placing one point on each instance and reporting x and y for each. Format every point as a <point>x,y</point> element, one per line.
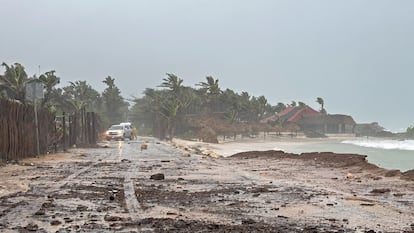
<point>383,144</point>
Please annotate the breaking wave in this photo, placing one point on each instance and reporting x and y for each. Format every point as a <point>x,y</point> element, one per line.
<point>383,144</point>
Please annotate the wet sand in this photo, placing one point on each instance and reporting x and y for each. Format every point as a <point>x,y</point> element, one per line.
<point>112,190</point>
<point>230,147</point>
<point>348,189</point>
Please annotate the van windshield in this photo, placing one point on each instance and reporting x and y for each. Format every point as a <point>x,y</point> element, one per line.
<point>116,127</point>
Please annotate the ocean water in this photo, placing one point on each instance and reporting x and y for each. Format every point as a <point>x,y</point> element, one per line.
<point>390,154</point>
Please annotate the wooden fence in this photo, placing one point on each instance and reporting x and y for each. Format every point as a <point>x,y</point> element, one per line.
<point>83,129</point>
<point>18,135</point>
<point>17,130</point>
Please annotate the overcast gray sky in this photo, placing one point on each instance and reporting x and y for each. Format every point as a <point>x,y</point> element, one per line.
<point>356,54</point>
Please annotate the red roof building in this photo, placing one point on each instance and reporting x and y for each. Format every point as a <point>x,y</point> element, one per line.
<point>294,114</point>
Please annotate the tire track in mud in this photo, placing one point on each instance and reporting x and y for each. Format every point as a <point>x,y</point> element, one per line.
<point>133,206</point>
<point>131,201</point>
<point>21,215</point>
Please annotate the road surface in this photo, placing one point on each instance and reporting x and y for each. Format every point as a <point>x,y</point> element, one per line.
<point>121,188</point>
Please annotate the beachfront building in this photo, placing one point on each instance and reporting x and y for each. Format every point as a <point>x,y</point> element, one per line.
<point>371,129</point>
<point>293,114</point>
<point>290,116</point>
<point>328,124</point>
<point>312,122</point>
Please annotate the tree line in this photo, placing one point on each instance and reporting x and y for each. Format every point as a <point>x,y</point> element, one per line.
<point>165,110</point>
<point>162,111</point>
<point>73,98</point>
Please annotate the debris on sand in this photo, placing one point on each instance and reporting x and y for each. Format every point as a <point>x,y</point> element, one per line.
<point>333,159</point>
<point>144,147</point>
<point>408,175</point>
<point>158,176</point>
<point>380,191</point>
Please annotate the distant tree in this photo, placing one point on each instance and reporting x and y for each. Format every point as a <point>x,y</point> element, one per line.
<point>144,112</point>
<point>211,87</point>
<point>113,101</point>
<point>173,83</point>
<point>293,104</point>
<point>232,102</point>
<point>171,102</point>
<point>189,100</point>
<point>49,80</point>
<point>410,132</point>
<point>301,104</point>
<point>320,101</point>
<point>279,107</point>
<point>163,107</point>
<point>13,82</point>
<point>211,90</point>
<point>258,107</point>
<point>245,106</point>
<point>80,95</point>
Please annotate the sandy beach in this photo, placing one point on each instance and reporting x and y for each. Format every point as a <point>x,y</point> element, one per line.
<point>230,146</point>
<point>357,194</point>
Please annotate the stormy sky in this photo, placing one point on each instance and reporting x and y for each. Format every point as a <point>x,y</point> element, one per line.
<point>357,55</point>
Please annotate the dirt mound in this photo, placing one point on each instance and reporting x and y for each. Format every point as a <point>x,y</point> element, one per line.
<point>408,175</point>
<point>333,159</point>
<point>247,225</point>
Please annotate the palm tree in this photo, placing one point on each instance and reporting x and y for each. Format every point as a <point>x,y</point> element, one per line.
<point>173,83</point>
<point>245,105</point>
<point>49,80</point>
<point>13,82</point>
<point>160,108</point>
<point>211,89</point>
<point>81,95</point>
<point>279,107</point>
<point>232,103</point>
<point>320,101</point>
<point>262,101</point>
<point>113,101</point>
<point>110,82</point>
<point>172,102</point>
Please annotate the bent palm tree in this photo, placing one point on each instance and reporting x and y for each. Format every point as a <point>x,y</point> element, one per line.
<point>172,82</point>
<point>212,91</point>
<point>50,80</point>
<point>320,101</point>
<point>13,82</point>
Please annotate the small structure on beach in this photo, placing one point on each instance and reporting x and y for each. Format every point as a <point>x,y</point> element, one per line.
<point>310,120</point>
<point>371,129</point>
<point>328,124</point>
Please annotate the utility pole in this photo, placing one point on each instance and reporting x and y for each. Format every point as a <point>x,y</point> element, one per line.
<point>34,90</point>
<point>37,128</point>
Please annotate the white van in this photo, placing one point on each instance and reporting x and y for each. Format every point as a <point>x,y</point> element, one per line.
<point>119,132</point>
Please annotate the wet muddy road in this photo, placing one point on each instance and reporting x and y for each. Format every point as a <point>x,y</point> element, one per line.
<point>166,189</point>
